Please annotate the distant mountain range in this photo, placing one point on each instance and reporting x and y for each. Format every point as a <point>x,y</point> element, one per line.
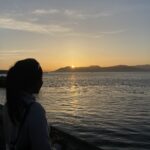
<point>118,68</point>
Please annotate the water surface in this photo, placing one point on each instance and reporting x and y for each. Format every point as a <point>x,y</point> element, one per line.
<point>111,110</point>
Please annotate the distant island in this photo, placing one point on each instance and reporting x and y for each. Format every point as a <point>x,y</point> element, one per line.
<point>118,68</point>
<point>95,68</point>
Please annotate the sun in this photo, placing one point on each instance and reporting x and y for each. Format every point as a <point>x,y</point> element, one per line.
<point>72,66</point>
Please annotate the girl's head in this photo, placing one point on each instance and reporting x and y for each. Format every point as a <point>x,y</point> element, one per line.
<point>25,75</point>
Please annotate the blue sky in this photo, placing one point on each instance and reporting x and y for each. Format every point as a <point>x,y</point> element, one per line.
<point>79,33</point>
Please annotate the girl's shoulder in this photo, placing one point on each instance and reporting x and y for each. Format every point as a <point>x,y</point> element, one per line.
<point>36,110</point>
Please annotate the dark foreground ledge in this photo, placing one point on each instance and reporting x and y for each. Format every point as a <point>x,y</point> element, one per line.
<point>58,136</point>
<point>2,146</point>
<point>69,141</point>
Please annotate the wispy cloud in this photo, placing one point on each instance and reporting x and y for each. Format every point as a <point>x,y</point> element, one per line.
<point>15,52</point>
<point>47,12</point>
<point>9,23</point>
<point>75,14</point>
<point>94,36</point>
<point>51,29</point>
<point>80,15</point>
<point>83,35</point>
<point>113,32</point>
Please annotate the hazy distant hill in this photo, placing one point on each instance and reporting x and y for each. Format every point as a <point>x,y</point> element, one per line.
<point>118,68</point>
<point>147,67</point>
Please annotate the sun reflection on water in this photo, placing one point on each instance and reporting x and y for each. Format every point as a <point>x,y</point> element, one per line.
<point>74,94</point>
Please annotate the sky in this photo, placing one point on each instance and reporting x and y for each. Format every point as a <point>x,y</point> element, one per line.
<point>76,33</point>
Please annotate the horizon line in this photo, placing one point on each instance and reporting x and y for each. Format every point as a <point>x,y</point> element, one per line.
<point>52,70</point>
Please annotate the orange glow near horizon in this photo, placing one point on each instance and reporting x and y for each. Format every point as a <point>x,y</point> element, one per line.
<point>105,62</point>
<point>73,63</point>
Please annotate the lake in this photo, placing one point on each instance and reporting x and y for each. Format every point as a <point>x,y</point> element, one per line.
<point>111,110</point>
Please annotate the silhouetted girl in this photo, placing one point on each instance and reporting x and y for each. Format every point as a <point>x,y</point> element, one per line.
<point>25,123</point>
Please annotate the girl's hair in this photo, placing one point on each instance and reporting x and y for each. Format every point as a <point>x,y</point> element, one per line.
<point>22,77</point>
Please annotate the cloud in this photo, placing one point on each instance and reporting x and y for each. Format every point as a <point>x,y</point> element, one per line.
<point>113,32</point>
<point>71,13</point>
<point>51,29</point>
<point>14,52</point>
<point>84,35</point>
<point>43,11</point>
<point>9,23</point>
<point>79,15</point>
<point>95,35</point>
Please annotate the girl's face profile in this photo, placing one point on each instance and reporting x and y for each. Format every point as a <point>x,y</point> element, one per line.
<point>39,85</point>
